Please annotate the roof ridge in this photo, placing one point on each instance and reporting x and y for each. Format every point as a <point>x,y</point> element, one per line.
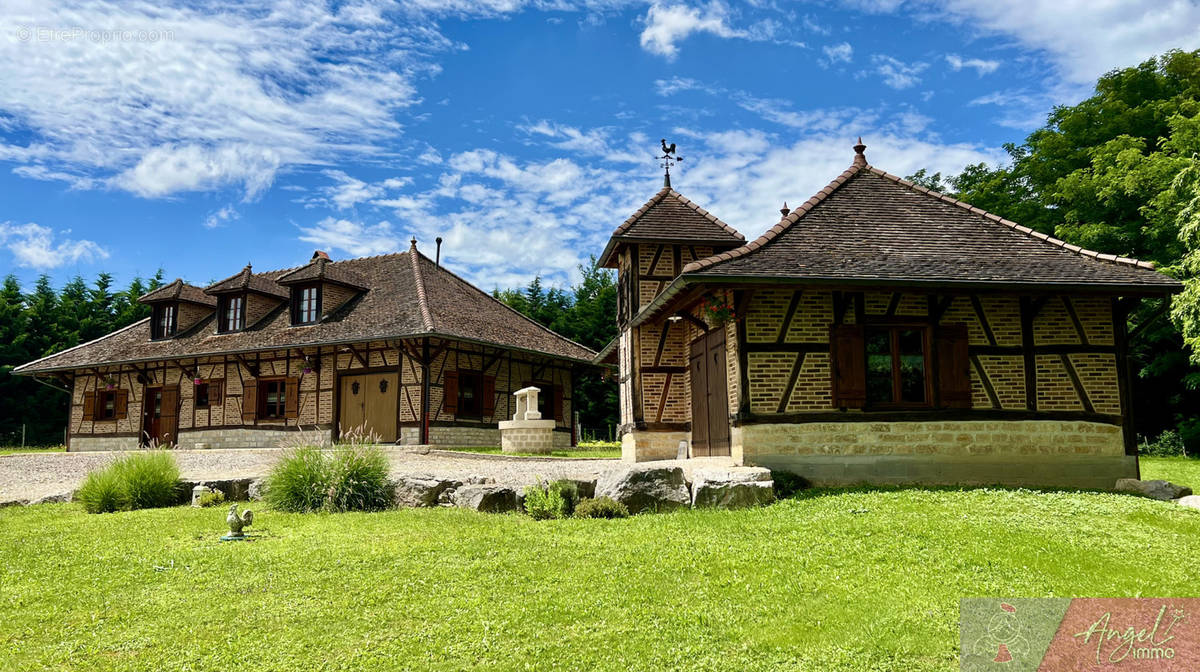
<point>783,225</point>
<point>419,281</point>
<point>1129,261</point>
<point>455,276</point>
<point>76,347</point>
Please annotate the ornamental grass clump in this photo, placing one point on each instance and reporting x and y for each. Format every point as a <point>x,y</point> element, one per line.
<point>141,480</point>
<point>351,476</point>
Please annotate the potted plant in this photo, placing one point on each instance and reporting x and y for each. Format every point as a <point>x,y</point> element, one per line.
<point>717,309</point>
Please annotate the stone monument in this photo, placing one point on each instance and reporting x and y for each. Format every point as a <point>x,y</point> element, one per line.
<point>527,432</point>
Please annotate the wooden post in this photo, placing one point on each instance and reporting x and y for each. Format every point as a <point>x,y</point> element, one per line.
<point>1120,316</point>
<point>425,387</point>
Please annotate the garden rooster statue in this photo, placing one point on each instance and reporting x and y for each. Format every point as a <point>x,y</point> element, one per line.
<point>237,522</point>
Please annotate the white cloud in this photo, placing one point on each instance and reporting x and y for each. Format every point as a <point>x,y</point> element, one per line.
<point>220,217</point>
<point>352,237</point>
<point>896,73</point>
<point>981,66</point>
<point>668,24</point>
<point>837,53</point>
<point>36,246</point>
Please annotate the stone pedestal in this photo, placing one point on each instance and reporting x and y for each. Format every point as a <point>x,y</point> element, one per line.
<point>527,432</point>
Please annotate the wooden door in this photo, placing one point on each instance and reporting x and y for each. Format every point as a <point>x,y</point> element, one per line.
<point>160,414</point>
<point>370,401</point>
<point>710,405</point>
<point>697,365</point>
<point>718,399</point>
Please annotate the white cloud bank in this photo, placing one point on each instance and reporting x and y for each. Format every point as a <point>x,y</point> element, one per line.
<point>37,247</point>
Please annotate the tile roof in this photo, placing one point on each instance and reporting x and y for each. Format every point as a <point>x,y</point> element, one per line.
<point>178,291</point>
<point>668,215</point>
<point>247,280</point>
<point>321,268</point>
<point>869,225</point>
<point>409,296</point>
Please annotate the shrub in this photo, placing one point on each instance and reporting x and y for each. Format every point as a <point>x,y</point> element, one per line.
<point>1168,444</point>
<point>600,507</point>
<point>299,481</point>
<point>358,480</point>
<point>569,491</point>
<point>350,477</point>
<point>213,498</point>
<point>142,480</point>
<point>788,483</point>
<point>543,502</point>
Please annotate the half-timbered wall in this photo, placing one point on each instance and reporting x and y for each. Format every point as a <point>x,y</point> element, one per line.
<point>222,424</point>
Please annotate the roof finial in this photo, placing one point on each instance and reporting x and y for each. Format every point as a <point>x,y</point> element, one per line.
<point>414,242</point>
<point>668,158</point>
<point>860,159</point>
<point>784,210</point>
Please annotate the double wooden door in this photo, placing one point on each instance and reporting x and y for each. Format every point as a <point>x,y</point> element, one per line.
<point>369,402</point>
<point>710,402</point>
<point>160,414</point>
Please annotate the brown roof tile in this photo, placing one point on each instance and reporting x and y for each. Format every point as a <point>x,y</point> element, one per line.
<point>178,291</point>
<point>668,215</point>
<point>408,296</point>
<point>247,280</point>
<point>870,225</point>
<point>321,268</point>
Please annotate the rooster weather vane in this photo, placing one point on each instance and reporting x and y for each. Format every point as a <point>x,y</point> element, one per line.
<point>668,158</point>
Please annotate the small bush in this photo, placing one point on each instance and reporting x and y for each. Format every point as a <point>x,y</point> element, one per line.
<point>600,507</point>
<point>544,502</point>
<point>142,480</point>
<point>299,481</point>
<point>569,491</point>
<point>214,498</point>
<point>787,483</point>
<point>358,480</point>
<point>103,491</point>
<point>1168,444</point>
<point>350,477</point>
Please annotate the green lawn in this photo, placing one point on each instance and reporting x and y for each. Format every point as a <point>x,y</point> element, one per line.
<point>1179,470</point>
<point>13,450</point>
<point>838,580</point>
<point>574,452</point>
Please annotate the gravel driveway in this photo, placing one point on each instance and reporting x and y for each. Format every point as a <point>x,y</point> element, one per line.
<point>33,476</point>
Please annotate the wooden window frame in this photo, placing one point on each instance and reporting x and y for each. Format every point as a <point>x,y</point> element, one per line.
<point>893,327</point>
<point>298,304</point>
<point>223,304</point>
<point>157,331</point>
<point>263,390</point>
<point>101,414</point>
<point>461,411</point>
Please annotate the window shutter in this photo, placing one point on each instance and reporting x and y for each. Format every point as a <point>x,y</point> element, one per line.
<point>953,372</point>
<point>89,406</point>
<point>122,404</point>
<point>450,392</point>
<point>558,403</point>
<point>250,400</point>
<point>169,419</point>
<point>849,355</point>
<point>489,395</point>
<point>291,406</point>
<point>216,392</point>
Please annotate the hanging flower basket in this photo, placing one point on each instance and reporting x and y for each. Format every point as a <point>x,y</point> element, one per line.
<point>197,381</point>
<point>718,310</point>
<point>110,383</point>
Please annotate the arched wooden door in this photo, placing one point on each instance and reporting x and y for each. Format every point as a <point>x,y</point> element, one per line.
<point>710,403</point>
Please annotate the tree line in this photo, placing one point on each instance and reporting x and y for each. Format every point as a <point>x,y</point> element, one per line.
<point>45,321</point>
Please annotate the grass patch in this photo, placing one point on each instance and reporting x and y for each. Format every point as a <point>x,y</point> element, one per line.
<point>842,580</point>
<point>1178,470</point>
<point>559,452</point>
<point>18,450</point>
<point>138,480</point>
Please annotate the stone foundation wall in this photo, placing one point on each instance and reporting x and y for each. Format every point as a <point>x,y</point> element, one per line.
<point>643,446</point>
<point>209,438</point>
<point>1022,453</point>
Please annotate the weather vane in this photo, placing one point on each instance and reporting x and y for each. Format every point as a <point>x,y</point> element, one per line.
<point>669,158</point>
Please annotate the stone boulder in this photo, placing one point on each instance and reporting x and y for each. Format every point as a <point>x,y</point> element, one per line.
<point>646,487</point>
<point>421,491</point>
<point>234,489</point>
<point>489,498</point>
<point>1160,490</point>
<point>732,488</point>
<point>256,489</point>
<point>1190,501</point>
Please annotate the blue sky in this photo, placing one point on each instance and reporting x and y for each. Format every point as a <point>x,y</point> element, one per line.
<point>196,138</point>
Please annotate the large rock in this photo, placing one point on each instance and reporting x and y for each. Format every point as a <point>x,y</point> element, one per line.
<point>421,491</point>
<point>489,498</point>
<point>256,490</point>
<point>234,489</point>
<point>732,487</point>
<point>1161,490</point>
<point>646,487</point>
<point>1190,501</point>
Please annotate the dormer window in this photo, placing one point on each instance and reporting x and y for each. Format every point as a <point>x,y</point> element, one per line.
<point>231,313</point>
<point>306,304</point>
<point>164,320</point>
